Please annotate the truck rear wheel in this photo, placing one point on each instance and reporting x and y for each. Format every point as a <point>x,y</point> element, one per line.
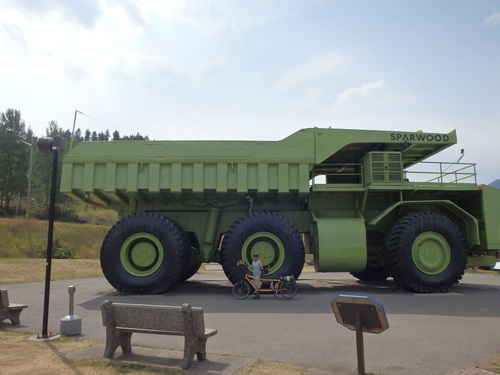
<point>272,236</point>
<point>425,253</point>
<point>144,253</point>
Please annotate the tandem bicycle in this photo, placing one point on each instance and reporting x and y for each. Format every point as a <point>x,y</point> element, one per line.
<point>284,285</point>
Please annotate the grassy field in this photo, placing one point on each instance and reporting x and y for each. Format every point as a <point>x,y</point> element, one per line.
<point>17,270</point>
<point>28,238</point>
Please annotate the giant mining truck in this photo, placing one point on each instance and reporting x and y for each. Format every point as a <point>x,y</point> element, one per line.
<point>359,201</point>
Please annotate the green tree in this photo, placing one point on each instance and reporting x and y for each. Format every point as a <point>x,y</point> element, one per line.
<point>14,164</point>
<point>136,137</point>
<point>14,158</point>
<point>42,176</point>
<point>78,136</point>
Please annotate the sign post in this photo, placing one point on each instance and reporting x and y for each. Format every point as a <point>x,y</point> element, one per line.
<point>360,314</point>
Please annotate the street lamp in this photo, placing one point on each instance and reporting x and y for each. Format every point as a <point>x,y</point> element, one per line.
<point>52,145</point>
<point>30,176</point>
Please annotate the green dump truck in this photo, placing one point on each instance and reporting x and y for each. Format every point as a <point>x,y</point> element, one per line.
<point>359,201</point>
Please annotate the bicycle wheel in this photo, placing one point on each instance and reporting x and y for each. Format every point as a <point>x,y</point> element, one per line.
<point>289,289</point>
<point>241,290</point>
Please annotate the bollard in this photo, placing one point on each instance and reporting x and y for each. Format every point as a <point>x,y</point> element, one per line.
<point>71,324</point>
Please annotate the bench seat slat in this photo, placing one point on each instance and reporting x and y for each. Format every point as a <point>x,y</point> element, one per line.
<point>154,331</point>
<point>15,306</point>
<point>209,332</point>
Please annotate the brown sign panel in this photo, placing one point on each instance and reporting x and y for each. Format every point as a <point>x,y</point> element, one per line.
<point>352,310</point>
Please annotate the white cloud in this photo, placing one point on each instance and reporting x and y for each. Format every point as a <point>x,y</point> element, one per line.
<point>318,67</point>
<point>492,20</point>
<point>83,12</point>
<point>360,93</point>
<point>214,17</point>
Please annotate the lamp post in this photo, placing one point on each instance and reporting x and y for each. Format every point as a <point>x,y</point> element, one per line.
<point>47,145</point>
<point>30,177</point>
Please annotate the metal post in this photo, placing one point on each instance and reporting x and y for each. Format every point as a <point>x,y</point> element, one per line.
<point>49,248</point>
<point>359,343</point>
<point>73,132</point>
<point>71,291</point>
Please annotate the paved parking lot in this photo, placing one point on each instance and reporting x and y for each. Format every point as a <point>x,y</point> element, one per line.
<point>428,335</point>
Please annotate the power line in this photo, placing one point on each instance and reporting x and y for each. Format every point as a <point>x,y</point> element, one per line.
<point>104,121</point>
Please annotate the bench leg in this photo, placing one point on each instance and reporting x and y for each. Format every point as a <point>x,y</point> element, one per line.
<point>190,347</point>
<point>15,320</point>
<point>114,340</point>
<point>111,343</point>
<point>194,346</point>
<point>12,315</point>
<point>201,352</point>
<point>126,341</point>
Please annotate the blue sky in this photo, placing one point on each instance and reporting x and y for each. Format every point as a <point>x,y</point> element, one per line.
<point>257,69</point>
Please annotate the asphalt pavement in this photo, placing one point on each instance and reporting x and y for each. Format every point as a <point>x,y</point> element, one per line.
<point>429,334</point>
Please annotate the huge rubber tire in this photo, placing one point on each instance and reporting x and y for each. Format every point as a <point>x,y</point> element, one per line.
<point>425,253</point>
<point>192,268</point>
<point>272,236</point>
<point>144,253</point>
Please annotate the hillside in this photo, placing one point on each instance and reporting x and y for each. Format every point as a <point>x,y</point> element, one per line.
<point>495,184</point>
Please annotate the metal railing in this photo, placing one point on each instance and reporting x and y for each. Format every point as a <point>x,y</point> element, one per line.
<point>342,173</point>
<point>442,172</point>
<point>423,172</point>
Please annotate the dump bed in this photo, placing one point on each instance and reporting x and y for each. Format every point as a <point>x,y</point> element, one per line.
<point>108,173</point>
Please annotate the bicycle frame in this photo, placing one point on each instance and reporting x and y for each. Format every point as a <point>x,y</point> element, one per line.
<point>286,286</point>
<point>277,284</point>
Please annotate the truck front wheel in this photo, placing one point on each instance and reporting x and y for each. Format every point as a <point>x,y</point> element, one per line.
<point>425,253</point>
<point>144,253</point>
<point>272,236</point>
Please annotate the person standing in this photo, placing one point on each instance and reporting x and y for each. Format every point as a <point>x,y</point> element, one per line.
<point>257,272</point>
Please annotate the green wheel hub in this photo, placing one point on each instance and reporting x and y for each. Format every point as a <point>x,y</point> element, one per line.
<point>431,253</point>
<point>269,247</point>
<point>141,254</point>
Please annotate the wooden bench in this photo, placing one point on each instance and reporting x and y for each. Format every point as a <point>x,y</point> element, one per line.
<point>123,319</point>
<point>9,310</point>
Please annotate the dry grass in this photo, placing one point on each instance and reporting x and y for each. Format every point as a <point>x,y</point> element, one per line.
<point>29,270</point>
<point>28,238</point>
<point>47,358</point>
<point>25,270</point>
<point>269,368</point>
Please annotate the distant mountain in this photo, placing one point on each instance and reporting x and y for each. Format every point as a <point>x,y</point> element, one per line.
<point>496,184</point>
